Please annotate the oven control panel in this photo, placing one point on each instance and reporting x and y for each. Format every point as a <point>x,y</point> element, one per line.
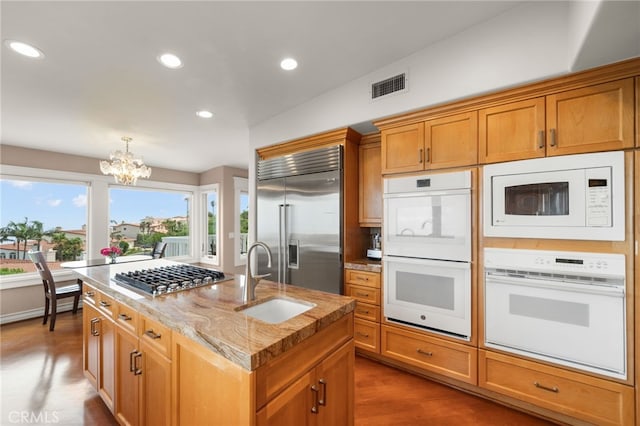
<point>608,264</point>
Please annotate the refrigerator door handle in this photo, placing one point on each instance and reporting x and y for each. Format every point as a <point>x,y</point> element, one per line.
<point>285,245</point>
<point>281,218</point>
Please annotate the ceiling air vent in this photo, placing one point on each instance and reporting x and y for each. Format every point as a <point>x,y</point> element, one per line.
<point>389,85</point>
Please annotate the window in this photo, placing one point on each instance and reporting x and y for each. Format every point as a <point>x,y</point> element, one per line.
<point>45,215</point>
<point>241,229</point>
<point>211,205</point>
<point>141,217</point>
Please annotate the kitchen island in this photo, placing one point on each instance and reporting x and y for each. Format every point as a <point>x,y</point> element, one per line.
<point>196,357</point>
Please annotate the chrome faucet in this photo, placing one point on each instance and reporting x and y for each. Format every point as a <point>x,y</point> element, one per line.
<point>250,281</point>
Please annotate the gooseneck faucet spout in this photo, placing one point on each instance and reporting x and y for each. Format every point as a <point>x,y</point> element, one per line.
<point>251,281</point>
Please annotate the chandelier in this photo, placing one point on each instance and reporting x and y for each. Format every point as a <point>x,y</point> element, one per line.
<point>124,167</point>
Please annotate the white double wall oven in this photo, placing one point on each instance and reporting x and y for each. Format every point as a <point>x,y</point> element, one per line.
<point>427,252</point>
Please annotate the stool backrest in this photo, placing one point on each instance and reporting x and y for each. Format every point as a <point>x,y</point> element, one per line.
<point>43,269</point>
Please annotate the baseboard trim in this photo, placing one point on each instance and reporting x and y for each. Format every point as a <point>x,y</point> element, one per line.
<point>35,313</point>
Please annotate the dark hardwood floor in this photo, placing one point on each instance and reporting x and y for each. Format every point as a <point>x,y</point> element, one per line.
<point>42,383</point>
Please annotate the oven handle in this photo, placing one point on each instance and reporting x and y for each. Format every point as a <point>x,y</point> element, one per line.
<point>464,191</point>
<point>452,264</point>
<point>555,285</point>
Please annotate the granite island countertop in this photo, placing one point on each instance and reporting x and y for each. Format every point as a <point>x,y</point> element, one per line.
<point>209,316</point>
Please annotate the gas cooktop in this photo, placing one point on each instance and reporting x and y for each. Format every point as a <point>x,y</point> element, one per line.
<point>169,279</point>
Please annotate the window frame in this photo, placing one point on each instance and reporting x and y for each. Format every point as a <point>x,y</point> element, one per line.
<point>97,212</point>
<point>204,192</point>
<point>240,184</point>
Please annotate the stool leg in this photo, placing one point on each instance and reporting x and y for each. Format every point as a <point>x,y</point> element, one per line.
<point>76,299</point>
<point>46,310</point>
<point>54,309</point>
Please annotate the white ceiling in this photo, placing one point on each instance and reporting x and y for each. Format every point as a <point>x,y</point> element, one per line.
<point>100,79</point>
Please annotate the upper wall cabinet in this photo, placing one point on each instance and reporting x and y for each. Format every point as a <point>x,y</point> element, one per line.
<point>512,131</point>
<point>450,141</point>
<point>589,119</point>
<point>370,182</point>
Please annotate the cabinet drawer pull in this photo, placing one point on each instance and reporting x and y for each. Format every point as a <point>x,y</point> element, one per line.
<point>89,293</point>
<point>362,311</point>
<point>363,334</point>
<point>323,400</point>
<point>124,317</point>
<point>314,395</point>
<point>427,155</point>
<point>552,133</point>
<point>134,356</point>
<point>93,330</point>
<point>362,294</point>
<point>104,304</point>
<point>361,278</point>
<point>553,389</point>
<point>420,351</point>
<point>420,155</point>
<point>153,335</point>
<point>131,362</point>
<point>541,139</point>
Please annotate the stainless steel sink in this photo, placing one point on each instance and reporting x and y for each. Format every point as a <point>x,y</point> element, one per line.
<point>277,310</point>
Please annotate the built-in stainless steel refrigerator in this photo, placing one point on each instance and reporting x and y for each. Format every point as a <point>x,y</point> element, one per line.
<point>299,216</point>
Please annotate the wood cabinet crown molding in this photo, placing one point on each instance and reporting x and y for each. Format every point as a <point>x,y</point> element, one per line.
<point>334,137</point>
<point>602,74</point>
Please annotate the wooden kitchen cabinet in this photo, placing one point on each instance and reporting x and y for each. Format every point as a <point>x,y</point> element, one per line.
<point>588,119</point>
<point>365,287</point>
<point>403,148</point>
<point>513,131</point>
<point>317,372</point>
<point>323,396</point>
<point>450,141</point>
<point>98,344</point>
<point>587,398</point>
<point>143,371</point>
<point>370,183</point>
<point>446,358</point>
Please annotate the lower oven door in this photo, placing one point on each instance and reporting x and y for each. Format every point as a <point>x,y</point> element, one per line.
<point>431,294</point>
<point>578,325</point>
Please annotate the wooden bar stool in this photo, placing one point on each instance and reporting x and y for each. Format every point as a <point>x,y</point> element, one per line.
<point>53,291</point>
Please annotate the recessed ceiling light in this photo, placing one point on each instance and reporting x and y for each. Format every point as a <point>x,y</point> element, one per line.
<point>289,64</point>
<point>24,49</point>
<point>204,114</point>
<point>170,60</point>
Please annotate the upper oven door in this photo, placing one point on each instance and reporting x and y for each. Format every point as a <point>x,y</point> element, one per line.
<point>434,225</point>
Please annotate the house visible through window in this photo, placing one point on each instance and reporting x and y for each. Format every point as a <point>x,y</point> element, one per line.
<point>43,215</point>
<point>141,217</point>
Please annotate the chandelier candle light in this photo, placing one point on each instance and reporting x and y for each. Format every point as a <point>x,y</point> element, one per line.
<point>124,167</point>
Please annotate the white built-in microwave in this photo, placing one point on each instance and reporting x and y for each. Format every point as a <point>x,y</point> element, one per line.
<point>579,197</point>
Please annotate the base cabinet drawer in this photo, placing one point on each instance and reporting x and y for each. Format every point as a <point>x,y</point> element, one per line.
<point>366,335</point>
<point>435,355</point>
<point>363,278</point>
<point>577,395</point>
<point>367,311</point>
<point>363,294</point>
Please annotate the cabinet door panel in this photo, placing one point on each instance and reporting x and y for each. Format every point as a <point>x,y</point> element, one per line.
<point>452,141</point>
<point>291,407</point>
<point>595,118</point>
<point>335,379</point>
<point>156,387</point>
<point>127,392</point>
<point>91,343</point>
<point>403,149</point>
<point>107,385</point>
<point>513,131</point>
<point>370,166</point>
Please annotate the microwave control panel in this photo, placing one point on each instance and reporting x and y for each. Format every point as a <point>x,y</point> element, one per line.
<point>598,196</point>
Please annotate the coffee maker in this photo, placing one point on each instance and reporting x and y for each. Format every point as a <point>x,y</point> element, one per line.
<point>374,252</point>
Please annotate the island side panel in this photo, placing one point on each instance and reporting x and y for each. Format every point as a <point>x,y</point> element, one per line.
<point>208,388</point>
